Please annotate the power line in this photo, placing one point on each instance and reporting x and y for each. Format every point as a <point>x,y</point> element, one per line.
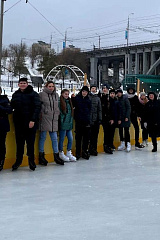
<point>45,18</point>
<point>12,6</point>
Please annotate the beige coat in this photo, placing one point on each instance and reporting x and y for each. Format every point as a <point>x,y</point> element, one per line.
<point>50,111</point>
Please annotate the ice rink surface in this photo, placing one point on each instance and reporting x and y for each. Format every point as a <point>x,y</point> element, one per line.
<point>109,197</point>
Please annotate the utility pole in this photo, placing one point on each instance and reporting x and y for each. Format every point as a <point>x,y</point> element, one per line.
<point>127,37</point>
<point>1,33</point>
<point>99,42</point>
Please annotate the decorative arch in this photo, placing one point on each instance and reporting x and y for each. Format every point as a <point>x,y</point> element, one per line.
<point>77,72</point>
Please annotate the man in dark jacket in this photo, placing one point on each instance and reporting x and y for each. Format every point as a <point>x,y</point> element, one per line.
<point>5,109</point>
<point>82,105</point>
<point>135,113</point>
<point>106,118</point>
<point>95,120</point>
<point>26,105</point>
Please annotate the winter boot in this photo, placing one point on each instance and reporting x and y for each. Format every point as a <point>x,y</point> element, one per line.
<point>128,147</point>
<point>32,164</point>
<point>108,149</point>
<point>70,156</point>
<point>16,164</point>
<point>1,164</point>
<point>122,146</point>
<point>154,148</point>
<point>93,152</point>
<point>85,154</point>
<point>42,160</point>
<point>57,159</point>
<point>64,157</point>
<point>139,146</point>
<point>145,143</point>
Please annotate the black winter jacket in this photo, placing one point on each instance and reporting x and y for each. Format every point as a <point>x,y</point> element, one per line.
<point>125,110</point>
<point>26,106</point>
<point>5,109</point>
<point>107,113</point>
<point>82,110</point>
<point>96,109</point>
<point>152,116</point>
<point>135,105</point>
<point>115,109</point>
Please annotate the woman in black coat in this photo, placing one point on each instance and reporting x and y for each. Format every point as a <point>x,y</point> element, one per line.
<point>5,109</point>
<point>152,118</point>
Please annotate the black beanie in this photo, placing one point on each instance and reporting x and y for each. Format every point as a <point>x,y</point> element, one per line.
<point>105,86</point>
<point>119,90</point>
<point>112,90</point>
<point>85,88</point>
<point>93,86</point>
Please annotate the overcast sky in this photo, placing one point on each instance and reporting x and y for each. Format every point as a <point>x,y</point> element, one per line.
<point>89,19</point>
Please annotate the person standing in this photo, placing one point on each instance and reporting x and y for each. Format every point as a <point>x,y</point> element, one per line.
<point>115,109</point>
<point>124,122</point>
<point>26,108</point>
<point>152,118</point>
<point>49,122</point>
<point>82,111</point>
<point>143,100</point>
<point>95,120</point>
<point>66,126</point>
<point>5,109</point>
<point>135,113</point>
<point>107,118</point>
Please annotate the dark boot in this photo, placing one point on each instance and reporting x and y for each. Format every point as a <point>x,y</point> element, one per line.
<point>32,164</point>
<point>108,149</point>
<point>16,165</point>
<point>57,159</point>
<point>154,148</point>
<point>42,160</point>
<point>1,164</point>
<point>85,154</point>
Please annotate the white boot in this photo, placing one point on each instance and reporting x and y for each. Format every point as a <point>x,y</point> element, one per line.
<point>128,147</point>
<point>122,146</point>
<point>70,156</point>
<point>63,157</point>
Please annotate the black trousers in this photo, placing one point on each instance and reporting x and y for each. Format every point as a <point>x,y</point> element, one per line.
<point>134,121</point>
<point>108,130</point>
<point>2,145</point>
<point>25,135</point>
<point>82,138</point>
<point>126,136</point>
<point>94,130</point>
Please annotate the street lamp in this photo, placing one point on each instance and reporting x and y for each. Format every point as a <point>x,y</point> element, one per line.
<point>1,32</point>
<point>127,37</point>
<point>65,38</point>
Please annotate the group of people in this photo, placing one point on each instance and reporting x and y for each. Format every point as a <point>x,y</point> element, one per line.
<point>48,112</point>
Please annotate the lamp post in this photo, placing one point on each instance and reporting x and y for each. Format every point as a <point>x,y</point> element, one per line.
<point>1,32</point>
<point>99,73</point>
<point>127,37</point>
<point>65,38</point>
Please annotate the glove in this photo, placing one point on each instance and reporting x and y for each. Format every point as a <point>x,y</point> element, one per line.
<point>145,124</point>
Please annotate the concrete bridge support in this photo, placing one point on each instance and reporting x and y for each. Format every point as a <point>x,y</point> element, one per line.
<point>116,71</point>
<point>93,69</point>
<point>136,63</point>
<point>105,64</point>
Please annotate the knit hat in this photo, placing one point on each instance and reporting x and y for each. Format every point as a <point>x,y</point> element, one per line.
<point>142,94</point>
<point>132,89</point>
<point>119,90</point>
<point>105,86</point>
<point>112,90</point>
<point>85,88</point>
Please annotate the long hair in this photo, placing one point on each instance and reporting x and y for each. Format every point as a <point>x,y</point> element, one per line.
<point>63,103</point>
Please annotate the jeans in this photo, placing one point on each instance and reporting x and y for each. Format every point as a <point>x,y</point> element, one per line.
<point>126,136</point>
<point>62,134</point>
<point>42,138</point>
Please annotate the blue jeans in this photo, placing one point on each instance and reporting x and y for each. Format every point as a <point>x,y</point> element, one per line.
<point>42,138</point>
<point>62,134</point>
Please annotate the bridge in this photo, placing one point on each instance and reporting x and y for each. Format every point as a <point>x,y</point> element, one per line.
<point>138,58</point>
